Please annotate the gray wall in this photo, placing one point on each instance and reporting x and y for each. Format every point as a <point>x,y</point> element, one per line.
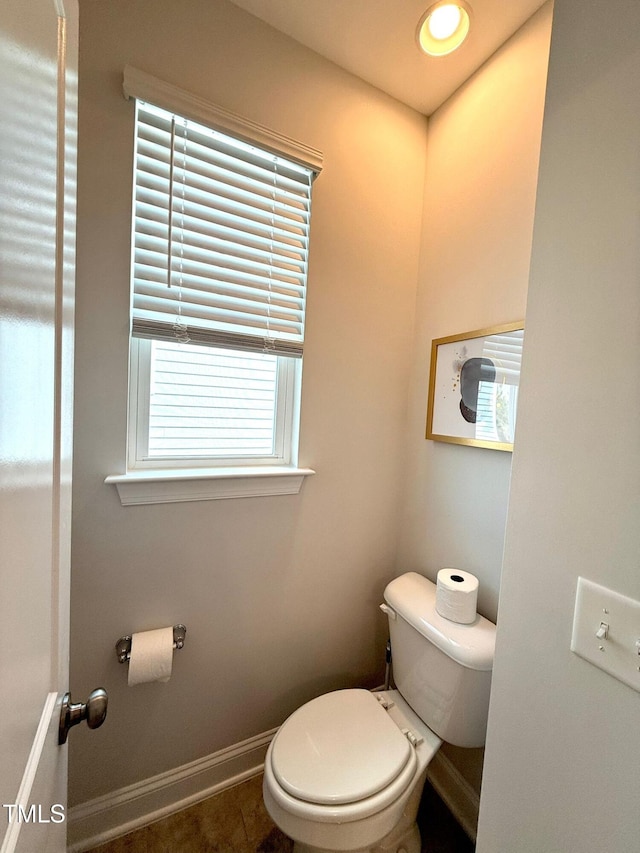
<point>561,770</point>
<point>482,162</point>
<point>279,594</point>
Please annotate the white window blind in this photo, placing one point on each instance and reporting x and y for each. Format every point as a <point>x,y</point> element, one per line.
<point>498,399</point>
<point>220,240</point>
<point>505,351</point>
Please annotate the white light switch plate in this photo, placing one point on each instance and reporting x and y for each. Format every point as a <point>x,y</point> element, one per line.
<point>606,631</point>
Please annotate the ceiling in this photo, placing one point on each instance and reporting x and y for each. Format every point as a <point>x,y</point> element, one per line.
<point>375,40</point>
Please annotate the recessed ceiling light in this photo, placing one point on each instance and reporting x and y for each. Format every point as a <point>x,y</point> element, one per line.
<point>443,27</point>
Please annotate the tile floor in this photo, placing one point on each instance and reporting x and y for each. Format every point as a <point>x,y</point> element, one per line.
<point>235,821</point>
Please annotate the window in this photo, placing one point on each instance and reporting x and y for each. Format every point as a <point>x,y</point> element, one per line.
<point>219,267</point>
<point>199,405</point>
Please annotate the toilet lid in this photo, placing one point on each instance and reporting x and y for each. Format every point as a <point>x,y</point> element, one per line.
<point>339,748</point>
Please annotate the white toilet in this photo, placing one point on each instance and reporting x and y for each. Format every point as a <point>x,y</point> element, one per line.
<point>345,772</point>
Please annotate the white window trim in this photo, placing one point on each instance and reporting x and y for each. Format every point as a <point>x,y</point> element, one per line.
<point>174,486</point>
<point>287,419</point>
<point>144,87</point>
<point>148,483</point>
<point>151,484</point>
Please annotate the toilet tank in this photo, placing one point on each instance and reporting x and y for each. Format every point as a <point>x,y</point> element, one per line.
<point>442,668</point>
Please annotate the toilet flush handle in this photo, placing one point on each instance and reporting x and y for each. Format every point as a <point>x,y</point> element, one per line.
<point>391,613</point>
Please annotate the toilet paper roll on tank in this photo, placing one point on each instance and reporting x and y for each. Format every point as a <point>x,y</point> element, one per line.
<point>151,656</point>
<point>457,595</point>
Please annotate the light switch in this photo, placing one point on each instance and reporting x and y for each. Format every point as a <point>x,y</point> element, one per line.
<point>606,631</point>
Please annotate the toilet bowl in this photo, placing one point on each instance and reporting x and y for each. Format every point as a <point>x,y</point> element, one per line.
<point>346,769</point>
<point>345,772</point>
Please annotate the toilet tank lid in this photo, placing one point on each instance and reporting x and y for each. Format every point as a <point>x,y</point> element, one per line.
<point>413,597</point>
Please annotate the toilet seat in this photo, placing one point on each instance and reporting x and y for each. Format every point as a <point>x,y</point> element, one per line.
<point>339,757</point>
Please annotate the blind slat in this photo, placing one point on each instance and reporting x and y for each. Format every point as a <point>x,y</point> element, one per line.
<point>163,331</point>
<point>505,351</point>
<point>213,252</point>
<point>220,238</point>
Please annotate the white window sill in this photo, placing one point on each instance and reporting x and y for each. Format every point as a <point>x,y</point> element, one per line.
<point>206,484</point>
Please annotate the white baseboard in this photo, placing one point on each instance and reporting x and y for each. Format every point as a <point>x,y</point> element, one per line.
<point>137,805</point>
<point>460,797</point>
<point>134,806</point>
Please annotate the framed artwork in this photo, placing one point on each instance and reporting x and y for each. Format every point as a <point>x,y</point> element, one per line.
<point>473,387</point>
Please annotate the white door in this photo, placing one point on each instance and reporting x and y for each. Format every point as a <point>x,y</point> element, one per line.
<point>38,71</point>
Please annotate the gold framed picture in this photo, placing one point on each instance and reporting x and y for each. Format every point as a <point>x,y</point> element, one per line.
<point>473,387</point>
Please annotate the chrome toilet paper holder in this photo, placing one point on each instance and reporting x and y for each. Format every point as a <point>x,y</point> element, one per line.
<point>123,646</point>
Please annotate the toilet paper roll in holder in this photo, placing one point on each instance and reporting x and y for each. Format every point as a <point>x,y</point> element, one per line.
<point>123,646</point>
